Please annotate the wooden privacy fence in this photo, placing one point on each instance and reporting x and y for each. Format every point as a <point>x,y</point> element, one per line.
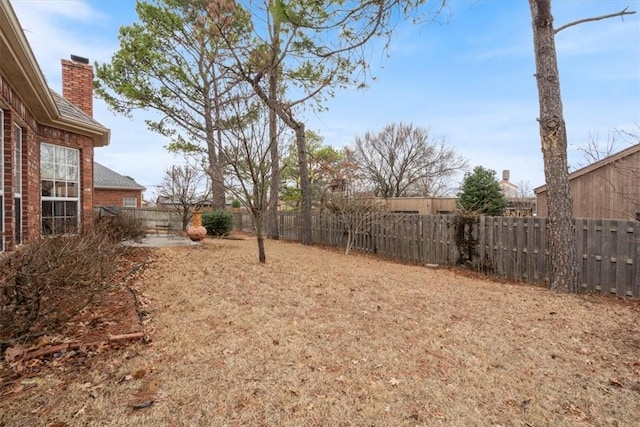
<point>514,248</point>
<point>154,216</point>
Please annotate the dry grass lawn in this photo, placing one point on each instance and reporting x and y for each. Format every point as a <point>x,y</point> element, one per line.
<point>317,338</point>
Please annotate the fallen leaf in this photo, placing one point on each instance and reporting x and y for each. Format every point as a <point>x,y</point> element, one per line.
<point>126,378</point>
<point>142,405</point>
<point>150,387</point>
<point>79,412</point>
<point>140,373</point>
<point>12,353</point>
<point>615,382</point>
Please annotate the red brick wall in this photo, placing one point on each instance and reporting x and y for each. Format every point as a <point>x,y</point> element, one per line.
<point>113,197</point>
<point>33,134</point>
<point>77,85</point>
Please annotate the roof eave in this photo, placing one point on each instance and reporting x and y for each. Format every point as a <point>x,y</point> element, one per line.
<point>112,187</point>
<point>25,76</point>
<point>22,69</point>
<point>597,165</point>
<point>100,135</point>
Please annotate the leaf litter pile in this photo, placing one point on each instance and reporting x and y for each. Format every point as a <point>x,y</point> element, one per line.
<point>317,338</point>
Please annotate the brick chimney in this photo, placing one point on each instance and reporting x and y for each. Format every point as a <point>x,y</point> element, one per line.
<point>77,83</point>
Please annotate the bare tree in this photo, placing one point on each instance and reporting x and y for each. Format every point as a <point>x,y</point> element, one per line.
<point>248,154</point>
<point>553,136</point>
<point>317,47</point>
<point>401,160</point>
<point>357,212</point>
<point>184,188</point>
<point>595,150</point>
<point>525,191</point>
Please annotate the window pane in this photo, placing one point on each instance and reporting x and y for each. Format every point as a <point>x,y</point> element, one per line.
<point>46,153</point>
<point>70,208</point>
<point>60,189</point>
<point>47,226</point>
<point>60,172</point>
<point>47,188</point>
<point>72,173</point>
<point>61,158</point>
<point>72,157</point>
<point>58,208</point>
<point>58,225</point>
<point>46,170</point>
<point>47,209</point>
<point>72,189</point>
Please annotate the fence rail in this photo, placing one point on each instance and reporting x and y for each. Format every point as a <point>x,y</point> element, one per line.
<point>514,248</point>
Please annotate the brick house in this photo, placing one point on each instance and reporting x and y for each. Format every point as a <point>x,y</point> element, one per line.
<point>46,141</point>
<point>113,189</point>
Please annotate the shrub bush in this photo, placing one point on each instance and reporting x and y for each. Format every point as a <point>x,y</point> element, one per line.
<point>50,279</point>
<point>121,226</point>
<point>217,223</point>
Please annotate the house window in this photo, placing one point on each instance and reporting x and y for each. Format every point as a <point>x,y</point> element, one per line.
<point>1,180</point>
<point>17,182</point>
<point>59,189</point>
<point>130,202</point>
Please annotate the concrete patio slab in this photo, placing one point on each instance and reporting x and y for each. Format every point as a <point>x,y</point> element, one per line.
<point>163,241</point>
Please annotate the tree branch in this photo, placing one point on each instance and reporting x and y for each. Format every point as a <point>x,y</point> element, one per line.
<point>621,14</point>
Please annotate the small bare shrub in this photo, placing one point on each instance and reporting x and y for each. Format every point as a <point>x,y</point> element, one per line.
<point>120,227</point>
<point>357,213</point>
<point>50,279</point>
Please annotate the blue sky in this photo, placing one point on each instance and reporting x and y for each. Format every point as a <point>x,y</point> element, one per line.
<point>470,80</point>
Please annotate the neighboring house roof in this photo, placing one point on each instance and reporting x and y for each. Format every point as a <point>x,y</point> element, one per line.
<point>597,165</point>
<point>20,68</point>
<point>105,178</point>
<point>509,189</point>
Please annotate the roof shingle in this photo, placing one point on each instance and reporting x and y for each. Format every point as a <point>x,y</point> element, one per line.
<point>104,177</point>
<point>70,111</point>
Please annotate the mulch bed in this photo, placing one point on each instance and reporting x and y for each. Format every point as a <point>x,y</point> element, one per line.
<point>111,320</point>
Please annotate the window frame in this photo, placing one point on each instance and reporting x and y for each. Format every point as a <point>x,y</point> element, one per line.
<point>17,174</point>
<point>59,180</point>
<point>135,202</point>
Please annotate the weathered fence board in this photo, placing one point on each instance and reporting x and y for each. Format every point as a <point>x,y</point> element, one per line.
<point>155,216</point>
<point>508,247</point>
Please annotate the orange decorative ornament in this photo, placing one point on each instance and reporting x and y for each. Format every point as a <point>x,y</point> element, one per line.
<point>196,232</point>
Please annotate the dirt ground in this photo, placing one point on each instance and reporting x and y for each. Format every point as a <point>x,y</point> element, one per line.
<point>317,338</point>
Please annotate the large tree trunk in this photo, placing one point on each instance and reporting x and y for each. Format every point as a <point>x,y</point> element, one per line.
<point>214,148</point>
<point>274,189</point>
<point>306,237</point>
<point>553,134</point>
<point>218,196</point>
<point>274,185</point>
